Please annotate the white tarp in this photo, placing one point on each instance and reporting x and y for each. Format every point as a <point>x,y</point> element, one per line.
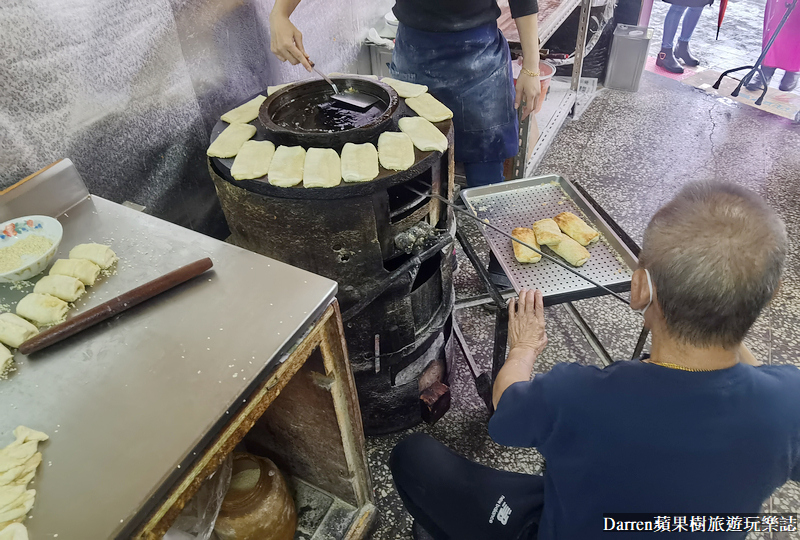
<point>129,89</point>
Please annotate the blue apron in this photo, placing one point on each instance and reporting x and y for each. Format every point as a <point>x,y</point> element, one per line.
<point>470,72</point>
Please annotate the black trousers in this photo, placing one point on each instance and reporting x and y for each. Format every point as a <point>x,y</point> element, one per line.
<point>454,498</point>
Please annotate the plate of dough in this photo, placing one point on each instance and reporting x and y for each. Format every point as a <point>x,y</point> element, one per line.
<point>53,296</point>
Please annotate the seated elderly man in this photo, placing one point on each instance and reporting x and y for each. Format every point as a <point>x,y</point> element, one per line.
<point>697,427</point>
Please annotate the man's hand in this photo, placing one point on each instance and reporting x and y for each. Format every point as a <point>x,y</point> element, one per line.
<point>286,41</point>
<point>527,339</point>
<point>529,90</point>
<point>526,322</point>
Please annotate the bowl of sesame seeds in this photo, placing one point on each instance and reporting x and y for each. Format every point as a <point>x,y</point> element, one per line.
<point>27,245</point>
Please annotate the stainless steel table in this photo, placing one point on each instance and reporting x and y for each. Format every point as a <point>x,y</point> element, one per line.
<point>132,400</point>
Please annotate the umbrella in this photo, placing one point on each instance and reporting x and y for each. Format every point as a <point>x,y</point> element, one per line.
<point>722,5</point>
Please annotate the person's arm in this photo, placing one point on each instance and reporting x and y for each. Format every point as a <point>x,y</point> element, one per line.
<point>286,41</point>
<point>526,338</point>
<point>528,87</point>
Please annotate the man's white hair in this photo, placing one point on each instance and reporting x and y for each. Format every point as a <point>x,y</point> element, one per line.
<point>715,253</point>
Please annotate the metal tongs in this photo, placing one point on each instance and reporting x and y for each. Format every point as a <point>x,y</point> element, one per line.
<point>352,99</point>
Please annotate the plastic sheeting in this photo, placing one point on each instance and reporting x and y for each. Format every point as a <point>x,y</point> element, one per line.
<point>129,89</point>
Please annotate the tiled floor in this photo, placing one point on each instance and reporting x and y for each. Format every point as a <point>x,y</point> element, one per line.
<point>636,150</point>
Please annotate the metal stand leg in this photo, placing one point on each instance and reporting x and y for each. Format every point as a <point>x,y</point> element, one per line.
<point>500,342</point>
<point>482,382</point>
<point>757,66</point>
<point>637,351</point>
<point>587,332</point>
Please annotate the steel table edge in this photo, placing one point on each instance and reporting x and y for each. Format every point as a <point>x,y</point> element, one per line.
<point>141,515</point>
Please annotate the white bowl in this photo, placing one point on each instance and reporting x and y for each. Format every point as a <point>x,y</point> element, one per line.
<point>14,230</point>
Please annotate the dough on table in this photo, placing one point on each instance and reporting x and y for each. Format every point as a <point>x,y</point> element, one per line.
<point>14,531</point>
<point>359,162</point>
<point>253,160</point>
<point>42,309</point>
<point>286,169</point>
<point>20,508</point>
<point>396,151</point>
<point>5,359</point>
<point>430,108</point>
<point>66,288</point>
<point>576,228</point>
<point>272,89</point>
<point>14,330</point>
<point>547,232</point>
<point>102,256</point>
<point>571,251</point>
<point>405,89</point>
<point>522,253</point>
<point>322,168</point>
<point>228,143</point>
<point>244,113</point>
<point>83,269</point>
<point>425,135</point>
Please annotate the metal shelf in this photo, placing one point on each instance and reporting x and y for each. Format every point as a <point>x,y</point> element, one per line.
<point>551,18</point>
<point>554,112</point>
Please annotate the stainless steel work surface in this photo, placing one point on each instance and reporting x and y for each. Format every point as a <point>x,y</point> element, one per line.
<point>132,400</point>
<point>520,203</point>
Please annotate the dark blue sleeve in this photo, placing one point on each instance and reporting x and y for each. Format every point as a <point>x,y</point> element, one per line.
<point>524,415</point>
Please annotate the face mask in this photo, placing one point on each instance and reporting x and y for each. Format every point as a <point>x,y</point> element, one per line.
<point>650,299</point>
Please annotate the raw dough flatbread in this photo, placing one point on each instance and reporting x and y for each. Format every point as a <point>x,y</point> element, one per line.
<point>522,253</point>
<point>359,162</point>
<point>396,151</point>
<point>272,89</point>
<point>425,135</point>
<point>244,113</point>
<point>83,269</point>
<point>13,456</point>
<point>42,309</point>
<point>14,331</point>
<point>322,168</point>
<point>405,89</point>
<point>228,143</point>
<point>547,232</point>
<point>576,228</point>
<point>67,288</point>
<point>253,160</point>
<point>430,108</point>
<point>286,169</point>
<point>5,359</point>
<point>15,531</point>
<point>23,506</point>
<point>571,251</point>
<point>25,434</point>
<point>9,495</point>
<point>102,256</point>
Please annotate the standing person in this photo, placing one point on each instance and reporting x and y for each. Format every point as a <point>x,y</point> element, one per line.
<point>784,53</point>
<point>690,10</point>
<point>455,48</point>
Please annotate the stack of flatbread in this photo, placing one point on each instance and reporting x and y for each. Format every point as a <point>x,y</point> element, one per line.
<point>566,234</point>
<point>18,463</point>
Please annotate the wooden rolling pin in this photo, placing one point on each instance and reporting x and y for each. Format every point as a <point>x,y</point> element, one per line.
<point>114,306</point>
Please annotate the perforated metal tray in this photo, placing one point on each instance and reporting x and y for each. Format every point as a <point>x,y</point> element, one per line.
<point>519,203</point>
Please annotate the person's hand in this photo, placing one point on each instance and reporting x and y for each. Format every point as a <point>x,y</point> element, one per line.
<point>528,90</point>
<point>526,322</point>
<point>286,41</point>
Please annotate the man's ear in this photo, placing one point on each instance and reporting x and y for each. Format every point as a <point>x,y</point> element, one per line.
<point>640,292</point>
